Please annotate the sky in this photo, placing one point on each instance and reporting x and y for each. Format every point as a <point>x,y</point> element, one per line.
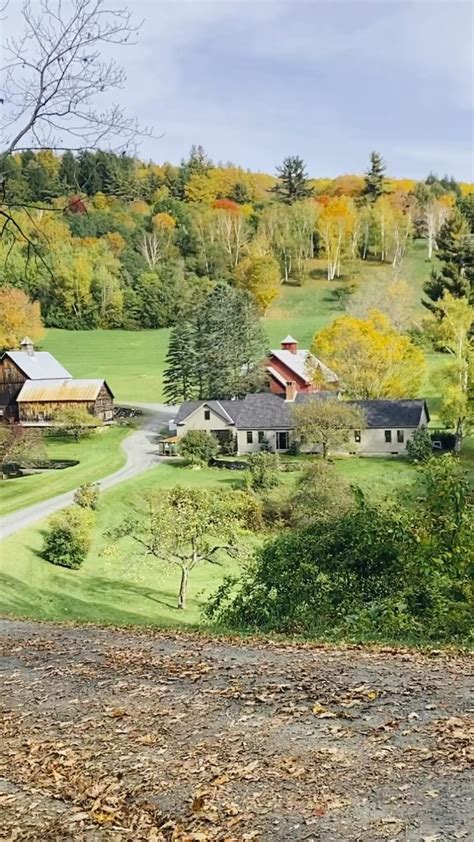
<point>329,80</point>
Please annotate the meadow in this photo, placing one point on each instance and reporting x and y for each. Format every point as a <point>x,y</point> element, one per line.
<point>119,587</point>
<point>132,362</point>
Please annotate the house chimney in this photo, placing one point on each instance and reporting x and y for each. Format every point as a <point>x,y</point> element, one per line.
<point>290,391</point>
<point>27,346</point>
<point>289,344</point>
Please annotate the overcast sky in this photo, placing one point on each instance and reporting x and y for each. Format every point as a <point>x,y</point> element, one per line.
<point>330,80</point>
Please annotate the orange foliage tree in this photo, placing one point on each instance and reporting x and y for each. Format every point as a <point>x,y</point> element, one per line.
<point>19,317</point>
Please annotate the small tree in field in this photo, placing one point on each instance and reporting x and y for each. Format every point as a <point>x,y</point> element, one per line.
<point>420,446</point>
<point>327,423</point>
<point>185,527</point>
<point>263,470</point>
<point>20,446</point>
<point>76,422</point>
<point>87,496</point>
<point>68,537</point>
<point>199,447</point>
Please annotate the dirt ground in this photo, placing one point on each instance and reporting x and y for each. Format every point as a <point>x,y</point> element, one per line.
<point>130,735</point>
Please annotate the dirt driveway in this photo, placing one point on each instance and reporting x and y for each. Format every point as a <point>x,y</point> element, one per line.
<point>129,735</point>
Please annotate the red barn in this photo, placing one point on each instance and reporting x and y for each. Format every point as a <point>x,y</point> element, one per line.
<point>298,370</point>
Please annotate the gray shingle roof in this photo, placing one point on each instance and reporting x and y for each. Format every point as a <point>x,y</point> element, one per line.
<point>392,413</point>
<point>225,409</point>
<point>39,366</point>
<point>266,411</point>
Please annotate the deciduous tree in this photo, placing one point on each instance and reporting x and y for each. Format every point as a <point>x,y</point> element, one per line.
<point>185,527</point>
<point>19,317</point>
<point>370,357</point>
<point>326,423</point>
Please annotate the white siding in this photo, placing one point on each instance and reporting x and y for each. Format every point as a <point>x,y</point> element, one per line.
<point>197,421</point>
<point>373,442</point>
<point>244,447</point>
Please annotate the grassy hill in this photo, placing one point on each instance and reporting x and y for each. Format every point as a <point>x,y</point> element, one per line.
<point>133,362</point>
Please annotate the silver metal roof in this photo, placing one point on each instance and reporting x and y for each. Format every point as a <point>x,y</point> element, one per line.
<point>41,365</point>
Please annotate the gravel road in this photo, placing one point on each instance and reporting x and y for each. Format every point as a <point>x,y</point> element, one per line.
<point>135,735</point>
<point>141,454</point>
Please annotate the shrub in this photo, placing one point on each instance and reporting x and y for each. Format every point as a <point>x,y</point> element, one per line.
<point>420,446</point>
<point>68,537</point>
<point>263,470</point>
<point>87,496</point>
<point>198,446</point>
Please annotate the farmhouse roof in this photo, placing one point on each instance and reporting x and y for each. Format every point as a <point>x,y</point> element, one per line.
<point>393,413</point>
<point>267,411</point>
<point>37,391</point>
<point>225,409</point>
<point>298,363</point>
<point>38,366</point>
<point>289,340</point>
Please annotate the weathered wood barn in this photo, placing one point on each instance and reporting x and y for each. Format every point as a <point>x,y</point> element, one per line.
<point>34,386</point>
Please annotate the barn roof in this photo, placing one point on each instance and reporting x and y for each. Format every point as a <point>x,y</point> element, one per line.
<point>40,365</point>
<point>38,391</point>
<point>301,363</point>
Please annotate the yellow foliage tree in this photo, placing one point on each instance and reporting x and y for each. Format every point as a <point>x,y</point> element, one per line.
<point>19,317</point>
<point>164,221</point>
<point>260,275</point>
<point>370,357</point>
<point>336,224</point>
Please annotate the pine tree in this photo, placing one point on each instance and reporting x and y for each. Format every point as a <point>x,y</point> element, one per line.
<point>68,172</point>
<point>455,273</point>
<point>292,181</point>
<point>375,178</point>
<point>179,377</point>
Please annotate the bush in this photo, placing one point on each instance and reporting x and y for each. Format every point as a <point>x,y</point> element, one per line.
<point>68,537</point>
<point>198,446</point>
<point>375,571</point>
<point>420,446</point>
<point>87,496</point>
<point>263,470</point>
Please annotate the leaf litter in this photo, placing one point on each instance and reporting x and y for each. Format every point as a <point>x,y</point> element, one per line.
<point>111,734</point>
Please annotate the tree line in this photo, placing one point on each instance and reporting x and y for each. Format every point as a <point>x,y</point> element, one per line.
<point>142,255</point>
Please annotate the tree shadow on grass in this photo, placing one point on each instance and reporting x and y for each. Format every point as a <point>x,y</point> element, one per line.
<point>29,600</point>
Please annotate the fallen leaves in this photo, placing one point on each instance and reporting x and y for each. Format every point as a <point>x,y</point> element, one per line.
<point>174,738</point>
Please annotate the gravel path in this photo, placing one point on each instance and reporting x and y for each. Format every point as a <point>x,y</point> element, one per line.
<point>131,735</point>
<point>141,454</point>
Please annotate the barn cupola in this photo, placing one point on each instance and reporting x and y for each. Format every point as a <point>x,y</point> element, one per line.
<point>27,346</point>
<point>289,344</point>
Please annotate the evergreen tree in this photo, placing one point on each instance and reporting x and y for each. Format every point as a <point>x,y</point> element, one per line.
<point>292,181</point>
<point>180,373</point>
<point>375,178</point>
<point>68,172</point>
<point>455,273</point>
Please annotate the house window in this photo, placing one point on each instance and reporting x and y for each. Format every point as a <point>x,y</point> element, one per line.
<point>357,436</point>
<point>249,437</point>
<point>261,436</point>
<point>400,436</point>
<point>282,440</point>
<point>207,415</point>
<point>388,436</point>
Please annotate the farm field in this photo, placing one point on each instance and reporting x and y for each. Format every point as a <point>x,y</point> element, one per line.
<point>132,362</point>
<point>120,589</point>
<point>98,455</point>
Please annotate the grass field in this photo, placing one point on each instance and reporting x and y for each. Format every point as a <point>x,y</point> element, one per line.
<point>99,455</point>
<point>133,362</point>
<point>121,588</point>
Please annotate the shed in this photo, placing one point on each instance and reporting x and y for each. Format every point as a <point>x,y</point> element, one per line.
<point>40,400</point>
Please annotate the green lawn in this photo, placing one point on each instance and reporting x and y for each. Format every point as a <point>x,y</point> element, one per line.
<point>98,456</point>
<point>120,588</point>
<point>132,362</point>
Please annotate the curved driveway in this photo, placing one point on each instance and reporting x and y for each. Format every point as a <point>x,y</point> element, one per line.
<point>141,452</point>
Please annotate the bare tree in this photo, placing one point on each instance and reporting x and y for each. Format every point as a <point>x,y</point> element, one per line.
<point>55,76</point>
<point>55,80</point>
